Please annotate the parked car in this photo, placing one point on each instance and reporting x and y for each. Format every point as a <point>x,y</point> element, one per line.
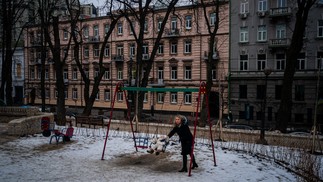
<point>238,126</point>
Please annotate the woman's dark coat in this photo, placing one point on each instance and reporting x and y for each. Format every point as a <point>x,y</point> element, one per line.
<point>185,136</point>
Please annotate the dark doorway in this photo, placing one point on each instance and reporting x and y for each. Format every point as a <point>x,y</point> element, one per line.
<point>19,95</point>
<point>214,104</point>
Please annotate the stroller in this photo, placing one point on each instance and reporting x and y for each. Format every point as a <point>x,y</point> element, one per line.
<point>158,145</point>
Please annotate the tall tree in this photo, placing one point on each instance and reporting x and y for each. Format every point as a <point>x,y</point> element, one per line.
<point>90,95</point>
<point>138,12</point>
<point>11,18</point>
<point>286,104</point>
<point>53,10</point>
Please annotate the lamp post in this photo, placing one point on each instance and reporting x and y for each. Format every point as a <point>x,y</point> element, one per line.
<point>262,139</point>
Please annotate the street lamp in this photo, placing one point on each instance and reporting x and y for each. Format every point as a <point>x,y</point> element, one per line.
<point>262,139</point>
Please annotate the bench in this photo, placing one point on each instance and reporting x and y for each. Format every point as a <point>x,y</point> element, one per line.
<point>88,120</point>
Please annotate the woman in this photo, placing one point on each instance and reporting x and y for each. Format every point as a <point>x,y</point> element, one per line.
<point>186,139</point>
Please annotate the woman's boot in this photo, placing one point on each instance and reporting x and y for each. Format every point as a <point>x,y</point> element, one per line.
<point>184,168</point>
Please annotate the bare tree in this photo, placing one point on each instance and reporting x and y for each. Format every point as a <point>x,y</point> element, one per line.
<point>89,97</point>
<point>285,108</point>
<point>11,16</point>
<point>138,12</point>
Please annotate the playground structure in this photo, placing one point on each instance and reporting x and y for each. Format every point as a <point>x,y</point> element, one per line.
<point>201,91</point>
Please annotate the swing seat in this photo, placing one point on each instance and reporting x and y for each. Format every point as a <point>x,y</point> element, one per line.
<point>142,142</point>
<point>66,136</point>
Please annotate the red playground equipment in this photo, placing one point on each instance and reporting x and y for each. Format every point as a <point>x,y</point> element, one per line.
<point>201,91</point>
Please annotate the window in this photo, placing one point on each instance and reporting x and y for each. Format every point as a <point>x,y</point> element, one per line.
<point>320,28</point>
<point>86,32</point>
<point>106,28</point>
<point>107,51</point>
<point>244,7</point>
<point>120,96</point>
<point>97,97</point>
<point>160,48</point>
<point>262,5</point>
<point>212,19</point>
<point>106,75</point>
<point>146,26</point>
<point>107,95</point>
<point>120,50</point>
<point>32,73</point>
<point>159,24</point>
<point>187,97</point>
<point>96,72</point>
<point>319,59</point>
<point>145,49</point>
<point>86,71</point>
<point>173,97</point>
<point>86,52</point>
<point>278,92</point>
<point>46,73</point>
<point>145,97</point>
<point>173,24</point>
<point>65,34</point>
<point>281,3</point>
<point>65,73</point>
<point>243,91</point>
<point>260,91</point>
<point>262,33</point>
<point>160,97</point>
<point>18,70</point>
<point>244,35</point>
<point>280,31</point>
<point>120,29</point>
<point>66,93</point>
<point>74,93</point>
<point>261,61</point>
<point>160,72</point>
<point>47,93</point>
<point>188,73</point>
<point>213,73</point>
<point>120,73</point>
<point>132,50</point>
<point>96,30</point>
<point>188,22</point>
<point>39,73</point>
<point>188,46</point>
<point>280,61</point>
<point>299,92</point>
<point>96,51</point>
<point>174,73</point>
<point>243,62</point>
<point>300,65</point>
<point>74,74</point>
<point>133,23</point>
<point>173,46</point>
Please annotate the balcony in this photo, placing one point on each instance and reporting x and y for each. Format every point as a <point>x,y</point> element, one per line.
<point>279,43</point>
<point>65,82</point>
<point>145,57</point>
<point>244,15</point>
<point>214,56</point>
<point>157,82</point>
<point>262,14</point>
<point>171,32</point>
<point>117,58</point>
<point>93,39</point>
<point>280,12</point>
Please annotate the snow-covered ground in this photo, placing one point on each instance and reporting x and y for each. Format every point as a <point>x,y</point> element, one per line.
<point>34,159</point>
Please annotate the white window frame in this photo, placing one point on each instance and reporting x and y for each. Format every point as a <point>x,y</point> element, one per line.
<point>74,93</point>
<point>65,73</point>
<point>86,52</point>
<point>65,34</point>
<point>120,96</point>
<point>160,72</point>
<point>262,5</point>
<point>96,51</point>
<point>244,34</point>
<point>212,19</point>
<point>96,72</point>
<point>173,46</point>
<point>188,46</point>
<point>120,28</point>
<point>107,51</point>
<point>173,73</point>
<point>119,73</point>
<point>132,50</point>
<point>261,62</point>
<point>96,30</point>
<point>106,74</point>
<point>187,98</point>
<point>173,97</point>
<point>244,7</point>
<point>160,97</point>
<point>160,48</point>
<point>86,32</point>
<point>244,63</point>
<point>97,97</point>
<point>301,62</point>
<point>146,26</point>
<point>188,22</point>
<point>120,50</point>
<point>188,73</point>
<point>74,74</point>
<point>107,95</point>
<point>106,28</point>
<point>173,26</point>
<point>262,33</point>
<point>145,97</point>
<point>280,63</point>
<point>159,24</point>
<point>46,73</point>
<point>280,31</point>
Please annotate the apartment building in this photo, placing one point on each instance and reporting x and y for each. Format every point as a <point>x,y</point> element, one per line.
<point>179,63</point>
<point>261,31</point>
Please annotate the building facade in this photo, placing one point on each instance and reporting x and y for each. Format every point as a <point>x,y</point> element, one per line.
<point>179,63</point>
<point>261,31</point>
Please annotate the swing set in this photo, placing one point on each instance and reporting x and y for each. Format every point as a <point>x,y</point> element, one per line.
<point>143,142</point>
